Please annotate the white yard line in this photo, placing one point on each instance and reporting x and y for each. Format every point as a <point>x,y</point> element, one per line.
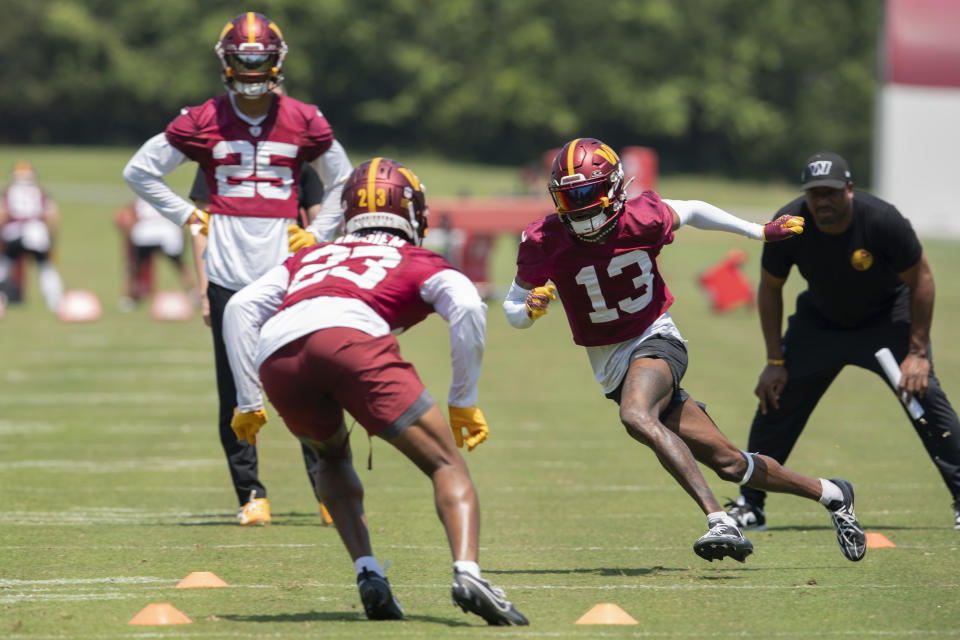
<point>113,466</point>
<point>101,398</point>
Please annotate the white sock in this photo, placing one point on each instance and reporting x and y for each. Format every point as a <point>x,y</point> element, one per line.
<point>50,285</point>
<point>369,563</point>
<point>466,566</point>
<point>829,492</point>
<point>720,516</point>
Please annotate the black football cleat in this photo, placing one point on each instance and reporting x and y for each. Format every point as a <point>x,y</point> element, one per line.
<point>478,596</point>
<point>721,541</point>
<point>746,515</point>
<point>378,600</point>
<point>850,535</point>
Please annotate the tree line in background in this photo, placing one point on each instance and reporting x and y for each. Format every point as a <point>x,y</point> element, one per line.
<point>742,88</point>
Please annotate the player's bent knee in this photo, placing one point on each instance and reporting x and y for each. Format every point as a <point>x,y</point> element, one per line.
<point>640,425</point>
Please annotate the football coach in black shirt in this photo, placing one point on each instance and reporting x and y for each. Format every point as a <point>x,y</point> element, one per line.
<point>869,286</point>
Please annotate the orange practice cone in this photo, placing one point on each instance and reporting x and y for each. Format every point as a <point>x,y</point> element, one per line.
<point>606,613</point>
<point>325,518</point>
<point>159,613</point>
<point>878,541</point>
<point>198,579</point>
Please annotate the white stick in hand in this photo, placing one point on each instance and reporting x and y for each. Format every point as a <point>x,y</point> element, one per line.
<point>892,369</point>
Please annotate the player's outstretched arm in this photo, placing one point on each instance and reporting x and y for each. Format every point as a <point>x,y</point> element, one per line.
<point>702,215</point>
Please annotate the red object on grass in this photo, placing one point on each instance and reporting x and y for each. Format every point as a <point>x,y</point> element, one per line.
<point>725,284</point>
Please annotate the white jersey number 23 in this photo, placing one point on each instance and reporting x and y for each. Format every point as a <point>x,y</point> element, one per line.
<point>375,260</point>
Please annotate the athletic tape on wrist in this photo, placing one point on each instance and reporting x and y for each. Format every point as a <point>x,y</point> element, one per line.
<point>746,476</point>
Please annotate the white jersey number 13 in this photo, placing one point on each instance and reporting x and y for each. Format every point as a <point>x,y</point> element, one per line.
<point>642,284</point>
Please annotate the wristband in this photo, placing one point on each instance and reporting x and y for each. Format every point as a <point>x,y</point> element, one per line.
<point>775,362</point>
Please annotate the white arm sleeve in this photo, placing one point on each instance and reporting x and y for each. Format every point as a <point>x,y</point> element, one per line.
<point>701,215</point>
<point>144,173</point>
<point>515,306</point>
<point>455,298</point>
<point>333,167</point>
<point>245,313</point>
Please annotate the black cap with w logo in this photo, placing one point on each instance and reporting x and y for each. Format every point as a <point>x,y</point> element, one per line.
<point>825,169</point>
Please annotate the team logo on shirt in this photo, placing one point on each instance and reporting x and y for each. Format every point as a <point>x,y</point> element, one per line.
<point>861,259</point>
<point>255,131</point>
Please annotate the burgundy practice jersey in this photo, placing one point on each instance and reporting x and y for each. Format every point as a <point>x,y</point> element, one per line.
<point>251,170</point>
<point>611,291</point>
<point>24,201</point>
<point>386,277</point>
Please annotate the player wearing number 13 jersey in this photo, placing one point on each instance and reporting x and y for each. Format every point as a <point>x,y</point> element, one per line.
<point>317,331</point>
<point>599,250</point>
<point>250,144</point>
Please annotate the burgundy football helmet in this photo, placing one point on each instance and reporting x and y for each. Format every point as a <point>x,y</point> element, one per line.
<point>251,51</point>
<point>383,194</point>
<point>586,182</point>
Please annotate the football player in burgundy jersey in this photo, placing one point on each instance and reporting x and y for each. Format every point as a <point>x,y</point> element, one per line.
<point>599,250</point>
<point>318,330</point>
<point>29,218</point>
<point>250,143</point>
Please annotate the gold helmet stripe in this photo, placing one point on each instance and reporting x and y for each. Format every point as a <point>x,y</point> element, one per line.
<point>570,149</point>
<point>251,22</point>
<point>371,184</point>
<point>275,29</point>
<point>607,154</point>
<point>226,30</point>
<point>412,179</point>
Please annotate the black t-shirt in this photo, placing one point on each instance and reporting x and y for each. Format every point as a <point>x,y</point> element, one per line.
<point>309,187</point>
<point>851,277</point>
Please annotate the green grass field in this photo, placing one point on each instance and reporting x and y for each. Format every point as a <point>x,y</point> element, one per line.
<point>114,486</point>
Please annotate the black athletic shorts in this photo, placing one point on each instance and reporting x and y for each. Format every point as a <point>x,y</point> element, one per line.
<point>674,353</point>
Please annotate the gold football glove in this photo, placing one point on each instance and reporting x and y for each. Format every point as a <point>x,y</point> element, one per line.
<point>246,424</point>
<point>299,238</point>
<point>538,299</point>
<point>786,226</point>
<point>199,222</point>
<point>469,426</point>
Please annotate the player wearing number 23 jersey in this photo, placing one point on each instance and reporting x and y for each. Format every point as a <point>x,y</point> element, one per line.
<point>317,331</point>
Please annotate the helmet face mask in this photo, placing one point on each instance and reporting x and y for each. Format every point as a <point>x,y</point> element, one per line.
<point>382,194</point>
<point>251,51</point>
<point>587,187</point>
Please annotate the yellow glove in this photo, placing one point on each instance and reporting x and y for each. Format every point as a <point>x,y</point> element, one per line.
<point>199,222</point>
<point>246,424</point>
<point>786,226</point>
<point>538,299</point>
<point>299,238</point>
<point>471,419</point>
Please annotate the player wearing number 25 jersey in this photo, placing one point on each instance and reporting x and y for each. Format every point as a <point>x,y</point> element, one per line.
<point>600,250</point>
<point>250,144</point>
